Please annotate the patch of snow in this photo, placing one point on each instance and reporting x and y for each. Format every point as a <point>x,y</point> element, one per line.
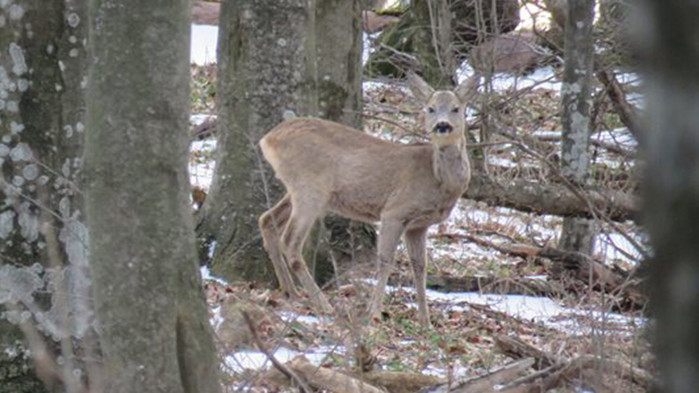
<point>536,309</point>
<point>255,360</point>
<point>216,319</point>
<point>541,78</point>
<point>198,118</point>
<point>615,247</point>
<point>206,275</point>
<point>201,172</point>
<point>620,136</point>
<point>293,317</point>
<point>204,39</point>
<point>367,47</point>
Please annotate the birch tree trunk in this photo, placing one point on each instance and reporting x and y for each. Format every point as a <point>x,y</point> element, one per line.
<point>577,234</point>
<point>155,330</point>
<point>42,66</point>
<point>672,207</point>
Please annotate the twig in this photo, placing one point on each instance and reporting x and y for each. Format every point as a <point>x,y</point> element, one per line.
<point>303,387</point>
<point>596,212</point>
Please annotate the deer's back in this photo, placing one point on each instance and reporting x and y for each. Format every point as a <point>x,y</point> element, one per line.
<point>357,173</point>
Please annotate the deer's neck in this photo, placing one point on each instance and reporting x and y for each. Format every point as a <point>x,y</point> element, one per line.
<point>451,166</point>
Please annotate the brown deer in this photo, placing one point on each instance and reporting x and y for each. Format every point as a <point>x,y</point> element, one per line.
<point>328,167</point>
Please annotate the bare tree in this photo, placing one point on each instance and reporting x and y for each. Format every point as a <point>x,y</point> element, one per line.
<point>577,234</point>
<point>152,316</point>
<point>670,32</point>
<point>41,209</point>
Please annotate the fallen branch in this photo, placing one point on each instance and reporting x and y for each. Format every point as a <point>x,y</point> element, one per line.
<point>515,348</point>
<point>291,375</point>
<point>583,268</point>
<point>488,382</point>
<point>627,113</point>
<point>327,379</point>
<point>552,372</point>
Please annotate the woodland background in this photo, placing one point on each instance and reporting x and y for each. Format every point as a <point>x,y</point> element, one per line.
<point>581,208</point>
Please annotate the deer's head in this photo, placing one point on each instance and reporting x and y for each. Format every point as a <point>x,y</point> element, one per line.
<point>443,110</point>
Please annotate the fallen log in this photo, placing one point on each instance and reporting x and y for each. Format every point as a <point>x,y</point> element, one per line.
<point>552,198</point>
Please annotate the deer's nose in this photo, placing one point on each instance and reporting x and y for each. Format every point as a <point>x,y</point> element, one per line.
<point>442,127</point>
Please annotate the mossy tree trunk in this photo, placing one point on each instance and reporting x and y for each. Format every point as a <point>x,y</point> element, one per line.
<point>42,71</point>
<point>154,323</point>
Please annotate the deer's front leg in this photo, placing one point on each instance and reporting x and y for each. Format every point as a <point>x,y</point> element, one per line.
<point>389,235</point>
<point>415,243</point>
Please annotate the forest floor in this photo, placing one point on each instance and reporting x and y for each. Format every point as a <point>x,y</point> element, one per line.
<point>582,340</point>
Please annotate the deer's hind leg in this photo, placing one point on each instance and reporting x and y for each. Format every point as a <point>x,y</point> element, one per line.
<point>272,224</point>
<point>304,213</point>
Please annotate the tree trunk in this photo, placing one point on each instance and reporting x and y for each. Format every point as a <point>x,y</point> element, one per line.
<point>266,72</point>
<point>327,84</point>
<point>577,234</point>
<point>153,318</point>
<point>339,51</point>
<point>41,111</point>
<point>339,54</point>
<point>672,187</point>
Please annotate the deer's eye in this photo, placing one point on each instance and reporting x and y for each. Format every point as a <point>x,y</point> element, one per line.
<point>430,110</point>
<point>455,110</point>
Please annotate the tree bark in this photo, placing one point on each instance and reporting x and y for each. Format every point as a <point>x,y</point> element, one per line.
<point>577,234</point>
<point>153,318</point>
<point>338,52</point>
<point>672,189</point>
<point>41,126</point>
<point>267,71</point>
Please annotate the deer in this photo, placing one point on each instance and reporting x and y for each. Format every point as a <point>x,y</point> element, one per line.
<point>406,188</point>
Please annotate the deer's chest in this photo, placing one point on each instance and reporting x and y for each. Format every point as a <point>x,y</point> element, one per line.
<point>434,214</point>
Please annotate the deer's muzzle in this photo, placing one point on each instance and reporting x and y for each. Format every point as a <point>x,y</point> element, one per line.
<point>442,128</point>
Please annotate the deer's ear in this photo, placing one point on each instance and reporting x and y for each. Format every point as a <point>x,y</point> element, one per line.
<point>467,89</point>
<point>419,87</point>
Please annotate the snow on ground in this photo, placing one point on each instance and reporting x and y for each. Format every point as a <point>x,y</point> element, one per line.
<point>541,78</point>
<point>201,167</point>
<point>255,360</point>
<point>540,310</point>
<point>202,48</point>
